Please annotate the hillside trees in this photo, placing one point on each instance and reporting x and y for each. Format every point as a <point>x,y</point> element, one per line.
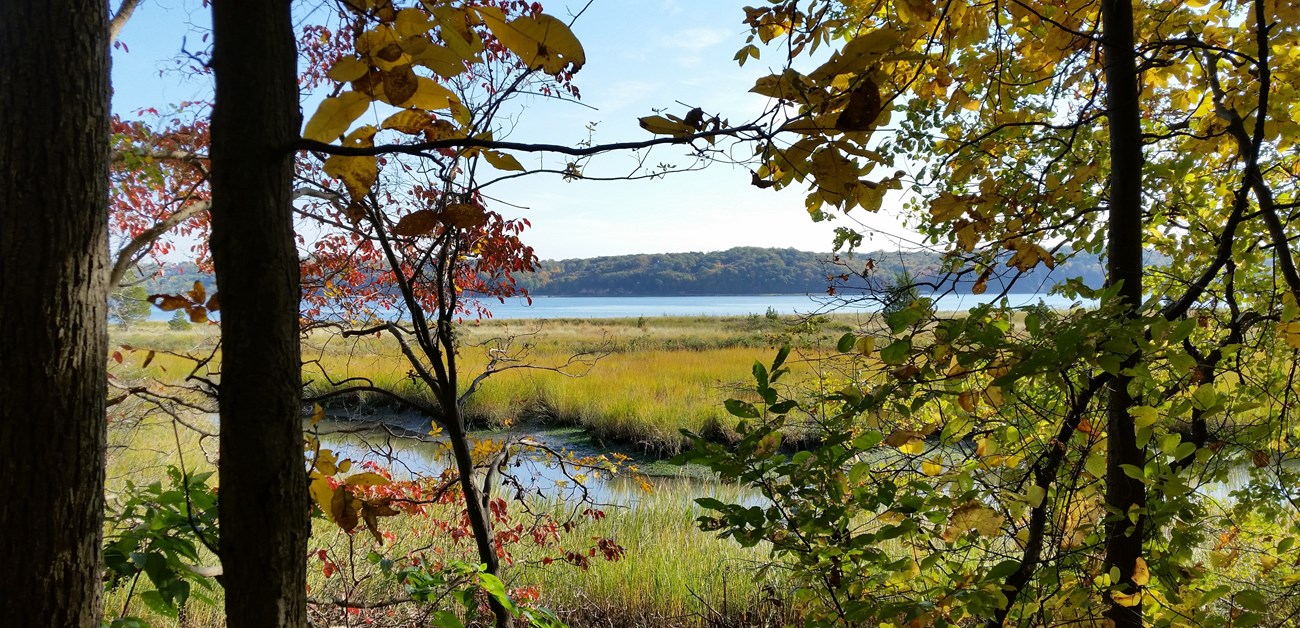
<point>1159,128</point>
<point>53,257</point>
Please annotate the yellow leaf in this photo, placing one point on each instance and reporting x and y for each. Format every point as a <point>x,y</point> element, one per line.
<point>317,413</point>
<point>361,137</point>
<point>865,345</point>
<point>948,206</point>
<point>1141,575</point>
<point>366,479</point>
<point>321,492</point>
<point>660,125</point>
<point>1127,599</point>
<point>502,161</point>
<point>542,42</point>
<point>334,115</point>
<point>863,51</point>
<point>444,61</point>
<point>456,30</point>
<point>973,516</point>
<point>1028,255</point>
<point>408,121</point>
<point>411,22</point>
<point>348,69</point>
<point>357,173</point>
<point>325,460</point>
<point>343,508</point>
<point>381,46</point>
<point>1035,496</point>
<point>932,467</point>
<point>913,447</point>
<point>994,396</point>
<point>898,438</point>
<point>966,400</point>
<point>430,95</point>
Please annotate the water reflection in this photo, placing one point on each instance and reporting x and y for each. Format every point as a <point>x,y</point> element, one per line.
<point>547,473</point>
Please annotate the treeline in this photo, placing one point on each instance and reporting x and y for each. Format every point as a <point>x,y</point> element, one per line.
<point>737,271</point>
<point>753,270</point>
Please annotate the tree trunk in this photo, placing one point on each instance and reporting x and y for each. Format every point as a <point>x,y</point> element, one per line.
<point>53,309</point>
<point>263,505</point>
<point>1124,259</point>
<point>479,518</point>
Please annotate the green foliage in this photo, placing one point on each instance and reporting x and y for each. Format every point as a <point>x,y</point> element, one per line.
<point>158,531</point>
<point>179,322</point>
<point>128,306</point>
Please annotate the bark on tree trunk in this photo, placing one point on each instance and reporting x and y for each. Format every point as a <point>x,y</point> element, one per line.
<point>263,506</point>
<point>53,309</point>
<point>479,519</point>
<point>1124,258</point>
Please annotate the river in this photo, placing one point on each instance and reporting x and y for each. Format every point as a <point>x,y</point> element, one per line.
<point>724,305</point>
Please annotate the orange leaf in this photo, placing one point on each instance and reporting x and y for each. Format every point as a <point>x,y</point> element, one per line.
<point>168,302</point>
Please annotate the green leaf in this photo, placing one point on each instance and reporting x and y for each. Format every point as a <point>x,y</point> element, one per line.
<point>1002,570</point>
<point>447,619</point>
<point>781,356</point>
<point>710,503</point>
<point>846,343</point>
<point>742,409</point>
<point>1110,363</point>
<point>760,374</point>
<point>896,352</point>
<point>1251,599</point>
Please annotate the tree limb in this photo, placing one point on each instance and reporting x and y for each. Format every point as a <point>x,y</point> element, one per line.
<point>120,19</point>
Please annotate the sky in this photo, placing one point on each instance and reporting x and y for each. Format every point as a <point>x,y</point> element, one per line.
<point>641,55</point>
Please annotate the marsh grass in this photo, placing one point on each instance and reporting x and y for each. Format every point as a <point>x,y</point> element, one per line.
<point>629,381</point>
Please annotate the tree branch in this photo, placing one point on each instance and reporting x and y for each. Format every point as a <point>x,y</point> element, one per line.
<point>419,149</point>
<point>120,19</point>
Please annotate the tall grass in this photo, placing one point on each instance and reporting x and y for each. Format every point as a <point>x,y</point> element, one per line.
<point>671,575</point>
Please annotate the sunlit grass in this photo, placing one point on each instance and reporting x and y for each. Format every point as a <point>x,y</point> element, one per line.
<point>635,381</point>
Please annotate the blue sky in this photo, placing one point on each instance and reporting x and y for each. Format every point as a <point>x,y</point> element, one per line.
<point>641,55</point>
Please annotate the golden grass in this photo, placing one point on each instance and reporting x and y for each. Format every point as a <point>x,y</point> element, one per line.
<point>631,381</point>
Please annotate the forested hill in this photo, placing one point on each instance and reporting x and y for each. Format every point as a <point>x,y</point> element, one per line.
<point>752,270</point>
<point>737,271</point>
